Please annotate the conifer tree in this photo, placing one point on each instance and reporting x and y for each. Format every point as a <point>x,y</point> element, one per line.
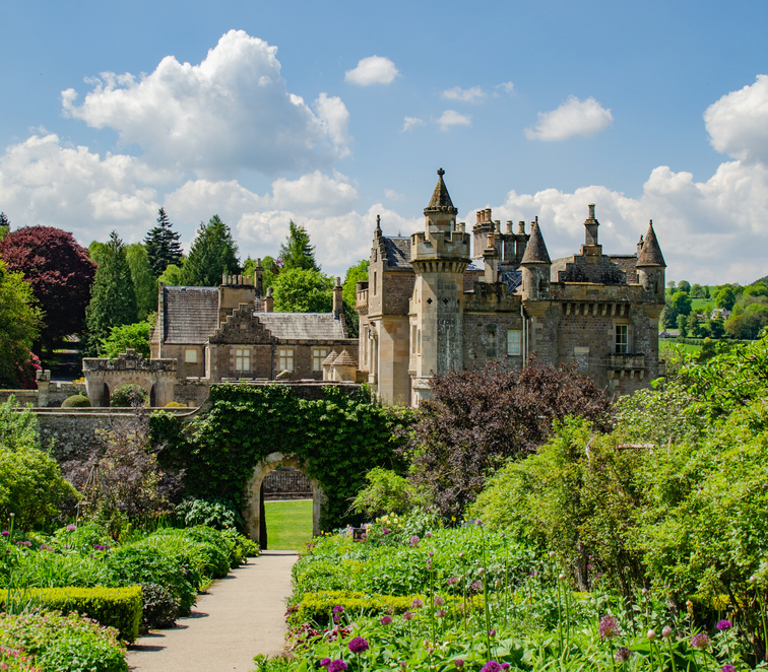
<point>213,253</point>
<point>162,243</point>
<point>297,252</point>
<point>5,225</point>
<point>113,296</point>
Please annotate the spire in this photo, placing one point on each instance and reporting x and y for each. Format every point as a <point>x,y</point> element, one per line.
<point>536,250</point>
<point>650,255</point>
<point>441,200</point>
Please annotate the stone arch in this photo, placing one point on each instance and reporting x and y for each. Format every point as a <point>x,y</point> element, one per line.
<point>252,512</point>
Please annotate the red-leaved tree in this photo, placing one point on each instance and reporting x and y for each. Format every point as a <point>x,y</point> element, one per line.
<point>60,273</point>
<point>476,420</point>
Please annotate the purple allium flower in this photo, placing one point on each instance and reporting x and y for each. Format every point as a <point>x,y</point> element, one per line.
<point>492,633</point>
<point>478,523</point>
<point>325,662</point>
<point>491,666</point>
<point>5,533</point>
<point>407,616</point>
<point>728,668</point>
<point>358,645</point>
<point>336,618</point>
<point>386,531</point>
<point>428,535</point>
<point>609,627</point>
<point>533,573</point>
<point>666,632</point>
<point>414,540</point>
<point>724,625</point>
<point>459,663</point>
<point>477,586</point>
<point>441,613</point>
<point>338,609</point>
<point>505,666</point>
<point>589,566</point>
<point>337,666</point>
<point>439,601</point>
<point>386,620</point>
<point>71,527</point>
<point>622,654</point>
<point>700,641</point>
<point>431,554</point>
<point>452,580</point>
<point>417,604</point>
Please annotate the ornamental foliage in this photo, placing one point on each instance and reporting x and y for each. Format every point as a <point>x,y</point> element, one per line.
<point>337,437</point>
<point>298,290</point>
<point>60,274</point>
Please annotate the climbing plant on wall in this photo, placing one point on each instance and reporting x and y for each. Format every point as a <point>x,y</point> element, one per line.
<point>339,437</point>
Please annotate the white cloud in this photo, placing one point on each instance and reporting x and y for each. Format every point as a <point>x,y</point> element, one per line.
<point>230,112</point>
<point>452,118</point>
<point>506,87</point>
<point>738,122</point>
<point>393,195</point>
<point>372,70</point>
<point>411,123</point>
<point>573,117</point>
<point>473,95</point>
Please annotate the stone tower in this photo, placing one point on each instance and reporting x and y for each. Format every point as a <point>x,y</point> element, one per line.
<point>439,256</point>
<point>651,265</point>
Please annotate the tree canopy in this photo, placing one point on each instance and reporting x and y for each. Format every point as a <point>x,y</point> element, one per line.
<point>296,251</point>
<point>298,290</point>
<point>60,274</point>
<point>144,281</point>
<point>113,296</point>
<point>19,322</point>
<point>5,225</point>
<point>213,253</point>
<point>162,244</point>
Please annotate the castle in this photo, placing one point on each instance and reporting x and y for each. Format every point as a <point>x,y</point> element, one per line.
<point>429,307</point>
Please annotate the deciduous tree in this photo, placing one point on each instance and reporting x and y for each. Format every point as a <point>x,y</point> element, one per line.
<point>144,281</point>
<point>213,253</point>
<point>299,290</point>
<point>19,322</point>
<point>60,273</point>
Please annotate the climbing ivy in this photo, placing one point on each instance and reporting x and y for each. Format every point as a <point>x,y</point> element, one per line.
<point>339,437</point>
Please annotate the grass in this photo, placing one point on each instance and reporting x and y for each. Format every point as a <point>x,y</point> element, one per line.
<point>289,524</point>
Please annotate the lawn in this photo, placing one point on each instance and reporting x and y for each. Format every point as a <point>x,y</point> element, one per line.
<point>289,524</point>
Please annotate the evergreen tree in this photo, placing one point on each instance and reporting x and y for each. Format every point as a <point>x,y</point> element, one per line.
<point>297,252</point>
<point>213,253</point>
<point>113,296</point>
<point>163,246</point>
<point>144,282</point>
<point>5,225</point>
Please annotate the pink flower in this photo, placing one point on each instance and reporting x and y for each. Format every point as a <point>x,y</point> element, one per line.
<point>386,620</point>
<point>417,604</point>
<point>337,666</point>
<point>439,601</point>
<point>609,627</point>
<point>724,625</point>
<point>407,616</point>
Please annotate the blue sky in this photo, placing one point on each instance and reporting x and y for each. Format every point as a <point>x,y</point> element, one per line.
<point>263,112</point>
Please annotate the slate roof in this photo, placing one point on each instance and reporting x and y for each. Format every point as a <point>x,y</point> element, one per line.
<point>650,255</point>
<point>441,199</point>
<point>536,249</point>
<point>293,326</point>
<point>398,251</point>
<point>190,314</point>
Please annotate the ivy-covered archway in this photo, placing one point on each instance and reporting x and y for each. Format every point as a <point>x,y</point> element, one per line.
<point>335,439</point>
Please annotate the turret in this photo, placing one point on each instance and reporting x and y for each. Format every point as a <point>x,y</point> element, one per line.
<point>536,266</point>
<point>650,265</point>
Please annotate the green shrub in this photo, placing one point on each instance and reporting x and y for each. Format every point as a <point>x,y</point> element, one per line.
<point>129,394</point>
<point>210,512</point>
<point>44,569</point>
<point>119,608</point>
<point>159,607</point>
<point>73,643</point>
<point>175,404</point>
<point>244,547</point>
<point>76,401</point>
<point>209,558</point>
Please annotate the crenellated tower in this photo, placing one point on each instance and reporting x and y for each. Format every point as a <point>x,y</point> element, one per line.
<point>439,255</point>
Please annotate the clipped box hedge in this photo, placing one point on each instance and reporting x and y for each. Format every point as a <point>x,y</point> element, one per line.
<point>119,608</point>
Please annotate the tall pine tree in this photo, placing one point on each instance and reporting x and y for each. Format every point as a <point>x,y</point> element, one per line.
<point>213,253</point>
<point>5,225</point>
<point>297,252</point>
<point>163,246</point>
<point>113,297</point>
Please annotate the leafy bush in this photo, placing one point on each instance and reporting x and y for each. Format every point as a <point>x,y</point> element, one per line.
<point>386,492</point>
<point>213,513</point>
<point>123,337</point>
<point>159,608</point>
<point>73,643</point>
<point>129,394</point>
<point>175,404</point>
<point>76,401</point>
<point>200,548</point>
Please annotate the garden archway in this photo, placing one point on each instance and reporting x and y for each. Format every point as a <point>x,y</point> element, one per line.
<point>253,509</point>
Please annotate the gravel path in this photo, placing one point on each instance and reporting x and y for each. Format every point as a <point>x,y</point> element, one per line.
<point>240,616</point>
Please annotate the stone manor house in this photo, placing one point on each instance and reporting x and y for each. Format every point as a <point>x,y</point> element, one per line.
<point>429,306</point>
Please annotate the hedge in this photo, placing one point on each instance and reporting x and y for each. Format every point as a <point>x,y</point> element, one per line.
<point>117,607</point>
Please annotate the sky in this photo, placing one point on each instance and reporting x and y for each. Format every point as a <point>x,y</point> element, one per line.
<point>331,113</point>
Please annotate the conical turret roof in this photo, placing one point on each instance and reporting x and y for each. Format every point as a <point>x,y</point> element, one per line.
<point>441,200</point>
<point>536,249</point>
<point>650,255</point>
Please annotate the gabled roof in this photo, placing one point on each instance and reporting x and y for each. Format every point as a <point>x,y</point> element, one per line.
<point>650,255</point>
<point>190,314</point>
<point>441,200</point>
<point>536,249</point>
<point>296,326</point>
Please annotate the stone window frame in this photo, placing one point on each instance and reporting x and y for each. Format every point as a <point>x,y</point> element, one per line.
<point>242,360</point>
<point>621,339</point>
<point>518,344</point>
<point>190,356</point>
<point>318,356</point>
<point>286,355</point>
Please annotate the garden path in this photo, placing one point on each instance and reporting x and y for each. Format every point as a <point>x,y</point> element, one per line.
<point>240,616</point>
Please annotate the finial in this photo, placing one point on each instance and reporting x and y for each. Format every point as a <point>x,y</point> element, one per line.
<point>378,222</point>
<point>440,172</point>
